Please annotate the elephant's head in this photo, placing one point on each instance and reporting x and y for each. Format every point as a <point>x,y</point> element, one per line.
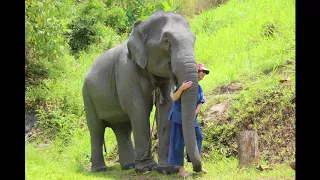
<point>164,46</point>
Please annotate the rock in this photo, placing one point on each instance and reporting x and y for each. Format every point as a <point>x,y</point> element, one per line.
<point>263,167</point>
<point>30,119</point>
<point>293,165</point>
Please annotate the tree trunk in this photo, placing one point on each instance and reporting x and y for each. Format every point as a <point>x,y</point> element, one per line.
<point>248,150</point>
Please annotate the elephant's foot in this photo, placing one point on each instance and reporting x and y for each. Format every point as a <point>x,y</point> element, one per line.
<point>128,166</point>
<point>147,165</point>
<point>99,168</point>
<point>170,169</point>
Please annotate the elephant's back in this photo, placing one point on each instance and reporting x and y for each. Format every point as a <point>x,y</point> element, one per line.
<point>100,85</point>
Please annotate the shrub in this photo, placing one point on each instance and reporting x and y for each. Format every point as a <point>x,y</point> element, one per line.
<point>45,26</point>
<point>82,27</point>
<point>117,19</point>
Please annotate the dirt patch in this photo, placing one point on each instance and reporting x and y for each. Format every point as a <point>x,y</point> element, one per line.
<point>231,88</point>
<point>217,111</point>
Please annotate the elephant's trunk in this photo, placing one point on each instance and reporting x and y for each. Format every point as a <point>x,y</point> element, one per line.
<point>187,70</point>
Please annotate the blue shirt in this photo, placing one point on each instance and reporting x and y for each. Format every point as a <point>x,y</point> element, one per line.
<point>175,111</point>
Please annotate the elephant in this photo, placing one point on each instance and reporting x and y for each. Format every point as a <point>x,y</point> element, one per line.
<point>119,88</point>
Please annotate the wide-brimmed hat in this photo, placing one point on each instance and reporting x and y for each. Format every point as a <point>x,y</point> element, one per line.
<point>201,67</point>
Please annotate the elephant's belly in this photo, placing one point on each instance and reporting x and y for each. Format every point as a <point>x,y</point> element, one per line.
<point>113,114</point>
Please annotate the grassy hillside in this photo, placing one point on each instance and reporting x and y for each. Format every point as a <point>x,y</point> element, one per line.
<point>249,43</point>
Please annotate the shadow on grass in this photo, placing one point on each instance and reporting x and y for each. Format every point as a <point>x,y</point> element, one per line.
<point>115,172</point>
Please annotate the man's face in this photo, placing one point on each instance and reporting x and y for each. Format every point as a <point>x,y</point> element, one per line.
<point>201,75</point>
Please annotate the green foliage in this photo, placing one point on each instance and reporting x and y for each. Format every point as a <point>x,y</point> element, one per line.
<point>53,87</point>
<point>106,38</point>
<point>56,100</point>
<point>83,30</point>
<point>92,23</point>
<point>45,26</point>
<point>141,9</point>
<point>59,102</point>
<point>80,38</point>
<point>57,122</point>
<point>136,10</point>
<point>169,5</point>
<point>117,19</point>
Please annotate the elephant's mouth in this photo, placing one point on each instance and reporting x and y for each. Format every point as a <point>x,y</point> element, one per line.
<point>173,78</point>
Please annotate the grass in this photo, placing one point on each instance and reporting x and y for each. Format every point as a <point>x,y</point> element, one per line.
<point>231,39</point>
<point>47,163</point>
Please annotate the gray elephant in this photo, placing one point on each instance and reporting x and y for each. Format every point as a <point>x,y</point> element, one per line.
<point>118,93</point>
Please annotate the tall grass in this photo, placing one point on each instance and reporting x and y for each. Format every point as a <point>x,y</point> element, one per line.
<point>232,40</point>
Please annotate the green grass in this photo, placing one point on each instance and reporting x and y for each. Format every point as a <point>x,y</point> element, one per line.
<point>231,40</point>
<point>48,163</point>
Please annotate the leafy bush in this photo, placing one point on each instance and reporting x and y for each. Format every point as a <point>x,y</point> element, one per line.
<point>117,19</point>
<point>106,38</point>
<point>83,30</point>
<point>45,26</point>
<point>141,9</point>
<point>91,23</point>
<point>57,100</point>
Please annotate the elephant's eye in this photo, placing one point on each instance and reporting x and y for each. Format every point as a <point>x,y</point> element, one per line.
<point>166,43</point>
<point>165,40</point>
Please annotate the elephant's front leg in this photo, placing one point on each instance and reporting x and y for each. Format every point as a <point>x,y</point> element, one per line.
<point>139,113</point>
<point>163,129</point>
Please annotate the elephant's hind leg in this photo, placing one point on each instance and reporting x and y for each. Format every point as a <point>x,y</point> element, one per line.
<point>125,147</point>
<point>96,128</point>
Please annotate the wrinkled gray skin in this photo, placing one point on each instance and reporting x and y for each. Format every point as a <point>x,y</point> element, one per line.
<point>118,88</point>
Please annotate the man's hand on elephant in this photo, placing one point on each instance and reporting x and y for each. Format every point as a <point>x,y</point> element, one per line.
<point>186,85</point>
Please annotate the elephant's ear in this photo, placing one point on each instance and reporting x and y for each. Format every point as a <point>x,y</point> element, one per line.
<point>136,45</point>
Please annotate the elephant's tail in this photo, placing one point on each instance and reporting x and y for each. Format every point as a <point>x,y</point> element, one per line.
<point>104,145</point>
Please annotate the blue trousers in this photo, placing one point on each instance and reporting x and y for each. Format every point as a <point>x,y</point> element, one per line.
<point>176,148</point>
